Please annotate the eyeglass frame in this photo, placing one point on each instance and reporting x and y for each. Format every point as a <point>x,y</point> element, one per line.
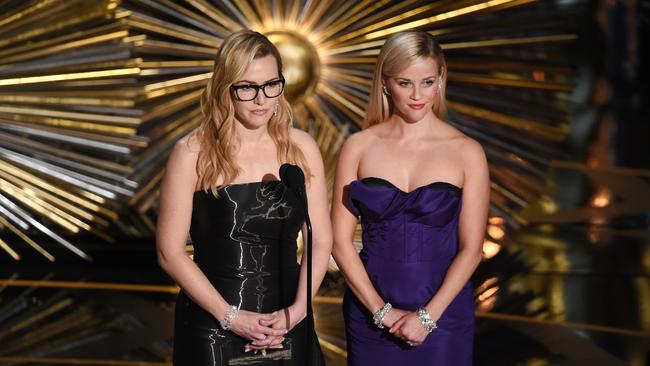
<point>235,89</point>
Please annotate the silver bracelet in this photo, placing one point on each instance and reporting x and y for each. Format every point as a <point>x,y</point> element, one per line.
<point>380,314</point>
<point>231,314</point>
<point>428,323</point>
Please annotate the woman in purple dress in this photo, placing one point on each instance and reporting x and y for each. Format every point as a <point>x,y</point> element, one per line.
<point>420,189</point>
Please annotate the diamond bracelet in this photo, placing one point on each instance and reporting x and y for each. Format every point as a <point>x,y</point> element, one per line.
<point>231,314</point>
<point>428,323</point>
<point>380,314</point>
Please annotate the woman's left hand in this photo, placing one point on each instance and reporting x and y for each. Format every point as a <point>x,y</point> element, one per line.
<point>410,329</point>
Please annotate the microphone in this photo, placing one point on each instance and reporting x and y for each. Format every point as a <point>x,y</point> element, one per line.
<point>294,178</point>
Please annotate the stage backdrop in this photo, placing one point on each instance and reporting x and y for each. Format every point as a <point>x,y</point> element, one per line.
<point>93,95</point>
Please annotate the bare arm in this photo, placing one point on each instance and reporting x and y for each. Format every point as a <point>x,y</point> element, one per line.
<point>176,195</point>
<point>321,226</point>
<point>345,223</point>
<point>471,228</point>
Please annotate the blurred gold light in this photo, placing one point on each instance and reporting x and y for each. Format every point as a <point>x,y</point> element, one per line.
<point>602,198</point>
<point>486,284</point>
<point>496,220</point>
<point>490,249</point>
<point>496,232</point>
<point>488,293</point>
<point>487,304</point>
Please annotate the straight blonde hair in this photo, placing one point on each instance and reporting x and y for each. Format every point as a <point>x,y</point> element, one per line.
<point>217,133</point>
<point>401,50</point>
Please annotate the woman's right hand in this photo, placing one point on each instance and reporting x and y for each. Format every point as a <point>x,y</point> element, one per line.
<point>287,317</point>
<point>392,317</point>
<point>248,325</point>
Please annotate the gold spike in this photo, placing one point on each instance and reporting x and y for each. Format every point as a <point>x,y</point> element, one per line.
<point>9,251</point>
<point>528,84</point>
<point>29,241</point>
<point>216,14</point>
<point>61,192</point>
<point>444,16</point>
<point>510,41</point>
<point>65,220</point>
<point>549,132</point>
<point>70,76</point>
<point>62,47</point>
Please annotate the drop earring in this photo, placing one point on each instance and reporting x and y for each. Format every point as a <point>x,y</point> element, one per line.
<point>385,89</point>
<point>439,86</point>
<point>275,110</point>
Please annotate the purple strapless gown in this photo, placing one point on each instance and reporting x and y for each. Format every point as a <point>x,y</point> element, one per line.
<point>409,242</point>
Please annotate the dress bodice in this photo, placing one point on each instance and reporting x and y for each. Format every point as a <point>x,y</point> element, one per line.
<point>410,240</point>
<point>416,226</point>
<point>245,242</point>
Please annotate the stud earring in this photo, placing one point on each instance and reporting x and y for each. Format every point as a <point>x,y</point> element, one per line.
<point>385,89</point>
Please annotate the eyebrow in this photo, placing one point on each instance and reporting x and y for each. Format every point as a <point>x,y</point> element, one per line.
<point>428,77</point>
<point>252,82</point>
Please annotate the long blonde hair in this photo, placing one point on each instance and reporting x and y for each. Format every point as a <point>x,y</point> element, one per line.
<point>398,52</point>
<point>217,133</point>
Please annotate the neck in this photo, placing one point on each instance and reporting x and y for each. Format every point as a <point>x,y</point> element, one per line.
<point>406,130</point>
<point>247,135</point>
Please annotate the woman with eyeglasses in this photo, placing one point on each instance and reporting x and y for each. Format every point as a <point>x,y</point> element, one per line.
<point>420,189</point>
<point>243,296</point>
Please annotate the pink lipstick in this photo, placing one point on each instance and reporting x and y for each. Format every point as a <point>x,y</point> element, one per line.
<point>416,106</point>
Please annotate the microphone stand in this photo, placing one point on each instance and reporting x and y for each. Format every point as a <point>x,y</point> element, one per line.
<point>293,177</point>
<point>308,248</point>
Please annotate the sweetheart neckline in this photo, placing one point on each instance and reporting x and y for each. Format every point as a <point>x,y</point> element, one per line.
<point>430,185</point>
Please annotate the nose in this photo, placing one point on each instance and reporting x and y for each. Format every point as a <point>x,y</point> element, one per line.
<point>260,99</point>
<point>415,93</point>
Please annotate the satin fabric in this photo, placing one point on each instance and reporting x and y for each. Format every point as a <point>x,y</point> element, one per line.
<point>245,243</point>
<point>409,242</point>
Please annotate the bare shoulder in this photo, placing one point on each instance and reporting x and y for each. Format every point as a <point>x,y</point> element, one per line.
<point>301,138</point>
<point>187,145</point>
<point>471,151</point>
<point>358,142</point>
<point>185,154</point>
<point>305,142</point>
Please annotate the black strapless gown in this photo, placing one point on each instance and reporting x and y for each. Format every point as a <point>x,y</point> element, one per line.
<point>245,243</point>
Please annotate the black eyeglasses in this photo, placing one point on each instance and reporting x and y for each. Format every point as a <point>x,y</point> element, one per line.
<point>246,92</point>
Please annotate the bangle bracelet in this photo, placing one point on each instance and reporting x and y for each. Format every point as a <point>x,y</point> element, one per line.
<point>231,314</point>
<point>428,323</point>
<point>380,314</point>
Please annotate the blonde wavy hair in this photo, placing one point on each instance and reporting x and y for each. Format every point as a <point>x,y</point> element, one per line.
<point>217,133</point>
<point>398,52</point>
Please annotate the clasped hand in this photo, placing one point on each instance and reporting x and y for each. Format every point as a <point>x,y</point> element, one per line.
<point>267,329</point>
<point>272,329</point>
<point>405,325</point>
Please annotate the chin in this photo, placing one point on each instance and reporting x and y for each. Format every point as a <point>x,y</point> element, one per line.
<point>255,122</point>
<point>414,116</point>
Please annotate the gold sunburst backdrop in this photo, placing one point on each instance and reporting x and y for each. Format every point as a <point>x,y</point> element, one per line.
<point>93,95</point>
